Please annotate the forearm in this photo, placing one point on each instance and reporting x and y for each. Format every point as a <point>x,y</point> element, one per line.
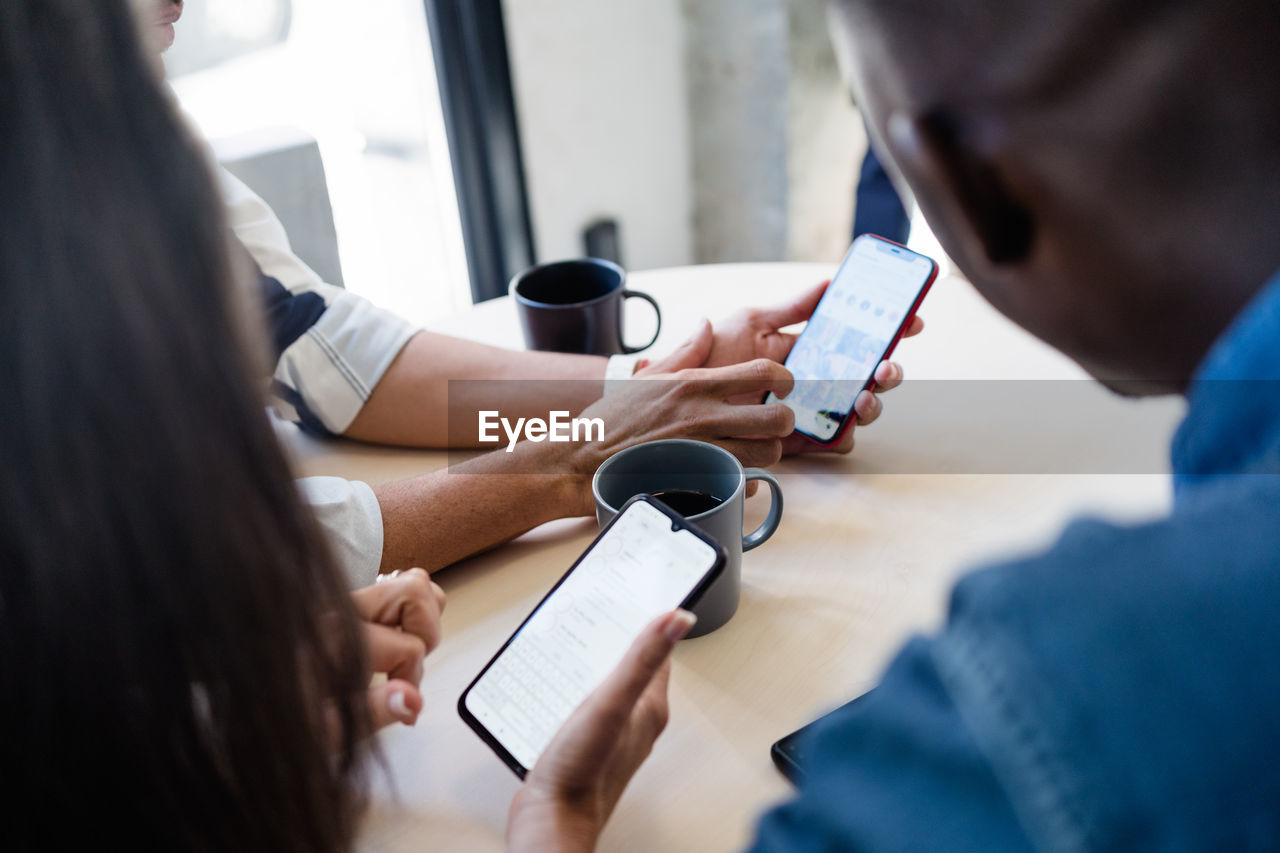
<point>413,404</point>
<point>435,520</point>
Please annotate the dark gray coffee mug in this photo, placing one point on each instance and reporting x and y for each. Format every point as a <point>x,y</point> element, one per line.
<point>679,463</point>
<point>576,306</point>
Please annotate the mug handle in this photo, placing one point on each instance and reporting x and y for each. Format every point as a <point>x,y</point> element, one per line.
<point>767,527</point>
<point>627,294</point>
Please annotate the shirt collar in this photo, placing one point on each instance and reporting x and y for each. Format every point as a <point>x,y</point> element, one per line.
<point>1233,414</point>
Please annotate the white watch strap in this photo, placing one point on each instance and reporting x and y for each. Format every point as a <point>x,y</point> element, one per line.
<point>619,369</point>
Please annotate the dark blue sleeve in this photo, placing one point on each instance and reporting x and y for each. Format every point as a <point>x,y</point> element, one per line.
<point>898,771</point>
<point>289,316</point>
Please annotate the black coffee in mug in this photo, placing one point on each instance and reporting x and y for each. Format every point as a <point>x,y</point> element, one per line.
<point>688,502</point>
<point>705,483</point>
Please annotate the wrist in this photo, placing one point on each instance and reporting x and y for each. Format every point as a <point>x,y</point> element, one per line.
<point>539,823</point>
<point>565,472</point>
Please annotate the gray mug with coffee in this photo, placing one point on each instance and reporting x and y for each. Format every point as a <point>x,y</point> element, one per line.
<point>707,485</point>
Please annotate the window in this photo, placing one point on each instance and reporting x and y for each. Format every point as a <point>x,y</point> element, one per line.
<point>358,78</point>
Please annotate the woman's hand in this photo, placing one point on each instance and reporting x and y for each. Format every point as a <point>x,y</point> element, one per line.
<point>401,616</point>
<point>568,796</point>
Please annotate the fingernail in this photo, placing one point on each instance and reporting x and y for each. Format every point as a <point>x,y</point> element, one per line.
<point>400,708</point>
<point>678,625</point>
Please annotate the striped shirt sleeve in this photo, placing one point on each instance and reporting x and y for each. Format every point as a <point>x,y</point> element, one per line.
<point>331,348</point>
<point>334,346</point>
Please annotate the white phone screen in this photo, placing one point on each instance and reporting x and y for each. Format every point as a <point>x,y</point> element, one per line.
<point>638,570</point>
<point>850,332</point>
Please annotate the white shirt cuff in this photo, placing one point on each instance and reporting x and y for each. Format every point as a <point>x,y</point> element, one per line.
<point>349,513</point>
<point>619,369</point>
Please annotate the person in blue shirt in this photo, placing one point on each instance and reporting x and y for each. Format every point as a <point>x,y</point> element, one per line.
<point>1104,171</point>
<point>878,209</point>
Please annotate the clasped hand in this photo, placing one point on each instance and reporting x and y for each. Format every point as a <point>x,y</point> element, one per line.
<point>401,621</point>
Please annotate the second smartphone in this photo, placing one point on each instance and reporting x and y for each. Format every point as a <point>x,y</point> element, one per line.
<point>859,321</point>
<point>646,562</point>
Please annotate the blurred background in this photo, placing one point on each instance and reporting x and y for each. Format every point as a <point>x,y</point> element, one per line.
<point>421,152</point>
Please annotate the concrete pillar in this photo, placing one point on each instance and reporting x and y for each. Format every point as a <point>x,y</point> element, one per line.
<point>825,141</point>
<point>775,140</point>
<point>738,70</point>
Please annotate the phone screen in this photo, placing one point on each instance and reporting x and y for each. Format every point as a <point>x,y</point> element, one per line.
<point>637,569</point>
<point>869,301</point>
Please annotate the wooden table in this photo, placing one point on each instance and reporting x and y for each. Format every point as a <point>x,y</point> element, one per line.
<point>865,556</point>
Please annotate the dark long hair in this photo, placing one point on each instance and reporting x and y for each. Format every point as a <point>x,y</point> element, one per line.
<point>180,667</point>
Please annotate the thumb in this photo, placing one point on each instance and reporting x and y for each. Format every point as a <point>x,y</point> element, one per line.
<point>603,714</point>
<point>692,353</point>
<point>395,701</point>
<point>649,651</point>
<point>593,730</point>
<point>798,310</point>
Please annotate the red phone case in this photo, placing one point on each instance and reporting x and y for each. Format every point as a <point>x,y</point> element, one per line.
<point>849,418</point>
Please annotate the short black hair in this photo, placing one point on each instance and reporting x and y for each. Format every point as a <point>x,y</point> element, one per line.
<point>1167,99</point>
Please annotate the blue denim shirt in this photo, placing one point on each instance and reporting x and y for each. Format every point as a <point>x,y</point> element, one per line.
<point>1119,692</point>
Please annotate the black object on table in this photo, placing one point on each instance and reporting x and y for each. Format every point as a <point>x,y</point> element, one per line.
<point>792,754</point>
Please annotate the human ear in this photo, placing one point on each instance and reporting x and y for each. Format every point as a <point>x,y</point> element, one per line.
<point>962,184</point>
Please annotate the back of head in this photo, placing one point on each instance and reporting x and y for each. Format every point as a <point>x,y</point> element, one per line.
<point>172,629</point>
<point>1102,169</point>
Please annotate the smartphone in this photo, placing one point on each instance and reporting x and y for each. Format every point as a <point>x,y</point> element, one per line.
<point>645,562</point>
<point>867,306</point>
<point>792,754</point>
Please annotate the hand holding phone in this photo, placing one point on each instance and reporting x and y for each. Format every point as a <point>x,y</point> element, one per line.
<point>865,311</point>
<point>646,562</point>
<point>583,772</point>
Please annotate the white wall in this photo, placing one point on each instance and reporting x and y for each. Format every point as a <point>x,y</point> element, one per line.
<point>601,97</point>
